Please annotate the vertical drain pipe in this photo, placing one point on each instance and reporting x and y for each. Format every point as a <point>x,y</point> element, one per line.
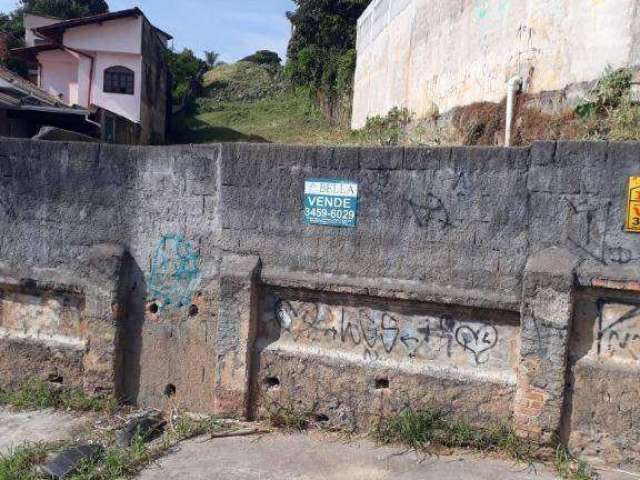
<point>514,86</point>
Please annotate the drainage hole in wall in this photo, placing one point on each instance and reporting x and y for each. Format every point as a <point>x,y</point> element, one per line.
<point>382,383</point>
<point>170,390</point>
<point>193,310</point>
<point>55,378</point>
<point>272,382</point>
<point>321,418</point>
<point>153,308</point>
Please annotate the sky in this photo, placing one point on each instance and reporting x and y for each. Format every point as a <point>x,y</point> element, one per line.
<point>234,28</point>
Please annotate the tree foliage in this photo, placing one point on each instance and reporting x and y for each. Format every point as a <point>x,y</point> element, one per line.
<point>185,67</point>
<point>263,57</point>
<point>12,26</point>
<point>65,9</point>
<point>322,49</point>
<point>212,59</point>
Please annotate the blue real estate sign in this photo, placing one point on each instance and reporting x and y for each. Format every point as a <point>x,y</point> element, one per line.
<point>332,203</point>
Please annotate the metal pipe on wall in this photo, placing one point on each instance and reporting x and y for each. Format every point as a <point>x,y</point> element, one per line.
<point>513,87</point>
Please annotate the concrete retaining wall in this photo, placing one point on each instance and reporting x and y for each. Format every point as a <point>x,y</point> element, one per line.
<point>429,55</point>
<point>498,283</point>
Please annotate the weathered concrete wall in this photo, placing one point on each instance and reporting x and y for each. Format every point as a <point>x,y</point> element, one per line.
<point>605,376</point>
<point>62,324</point>
<point>155,97</point>
<point>388,353</point>
<point>471,281</point>
<point>439,54</point>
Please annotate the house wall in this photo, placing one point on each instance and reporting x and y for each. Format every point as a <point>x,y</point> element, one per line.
<point>31,22</point>
<point>434,55</point>
<point>498,284</point>
<point>128,106</point>
<point>114,43</point>
<point>59,75</point>
<point>156,88</point>
<point>123,35</point>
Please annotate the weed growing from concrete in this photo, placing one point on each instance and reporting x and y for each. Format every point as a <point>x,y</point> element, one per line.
<point>570,468</point>
<point>421,429</point>
<point>424,429</point>
<point>34,394</point>
<point>17,463</point>
<point>114,462</point>
<point>288,417</point>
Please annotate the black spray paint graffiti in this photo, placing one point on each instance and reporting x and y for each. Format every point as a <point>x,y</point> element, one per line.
<point>591,221</point>
<point>430,212</point>
<point>613,334</point>
<point>477,341</point>
<point>383,335</point>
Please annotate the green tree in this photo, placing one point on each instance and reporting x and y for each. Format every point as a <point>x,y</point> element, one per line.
<point>212,58</point>
<point>65,9</point>
<point>11,35</point>
<point>323,41</point>
<point>264,57</point>
<point>12,27</point>
<point>186,69</point>
<point>321,52</point>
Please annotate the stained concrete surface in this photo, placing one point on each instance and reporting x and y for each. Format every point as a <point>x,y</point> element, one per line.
<point>17,428</point>
<point>320,457</point>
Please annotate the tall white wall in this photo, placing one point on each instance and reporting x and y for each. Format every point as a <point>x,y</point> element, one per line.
<point>428,54</point>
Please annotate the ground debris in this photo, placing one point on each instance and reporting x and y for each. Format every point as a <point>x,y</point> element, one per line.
<point>67,461</point>
<point>147,424</point>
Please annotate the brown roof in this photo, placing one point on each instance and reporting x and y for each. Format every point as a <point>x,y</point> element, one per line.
<point>58,28</point>
<point>28,89</point>
<point>30,53</point>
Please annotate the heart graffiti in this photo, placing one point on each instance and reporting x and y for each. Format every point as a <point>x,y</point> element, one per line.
<point>477,341</point>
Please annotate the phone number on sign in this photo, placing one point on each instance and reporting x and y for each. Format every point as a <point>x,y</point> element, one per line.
<point>333,214</point>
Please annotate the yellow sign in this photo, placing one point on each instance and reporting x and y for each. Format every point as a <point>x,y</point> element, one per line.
<point>633,214</point>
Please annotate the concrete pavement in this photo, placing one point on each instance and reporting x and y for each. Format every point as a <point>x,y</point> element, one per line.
<point>17,428</point>
<point>318,456</point>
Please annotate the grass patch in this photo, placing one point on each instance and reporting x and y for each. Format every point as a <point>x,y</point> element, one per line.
<point>34,394</point>
<point>421,429</point>
<point>18,463</point>
<point>424,429</point>
<point>116,463</point>
<point>113,463</point>
<point>287,117</point>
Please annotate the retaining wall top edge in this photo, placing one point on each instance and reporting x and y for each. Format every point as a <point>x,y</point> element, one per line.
<point>394,289</point>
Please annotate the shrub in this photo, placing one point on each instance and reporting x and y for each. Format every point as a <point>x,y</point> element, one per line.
<point>388,130</point>
<point>608,94</point>
<point>608,113</point>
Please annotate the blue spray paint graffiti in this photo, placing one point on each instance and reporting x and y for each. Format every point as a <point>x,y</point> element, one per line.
<point>175,274</point>
<point>483,7</point>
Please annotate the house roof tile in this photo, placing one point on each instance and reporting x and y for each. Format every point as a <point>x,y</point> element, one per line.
<point>57,28</point>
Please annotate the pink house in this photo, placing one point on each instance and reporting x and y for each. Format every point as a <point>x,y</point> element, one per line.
<point>113,65</point>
